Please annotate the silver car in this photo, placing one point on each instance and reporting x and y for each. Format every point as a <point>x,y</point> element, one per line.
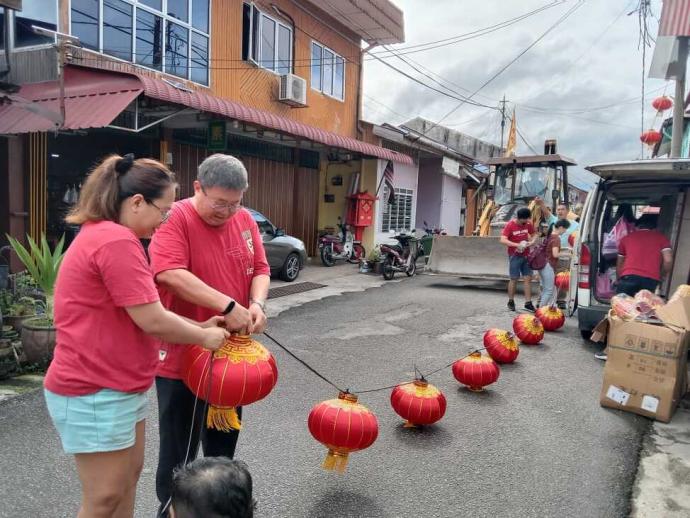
<point>286,255</point>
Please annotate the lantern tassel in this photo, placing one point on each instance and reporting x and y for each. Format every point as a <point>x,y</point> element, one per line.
<point>408,424</point>
<point>223,419</point>
<point>335,461</point>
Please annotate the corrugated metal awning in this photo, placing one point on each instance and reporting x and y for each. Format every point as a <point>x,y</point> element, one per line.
<point>675,18</point>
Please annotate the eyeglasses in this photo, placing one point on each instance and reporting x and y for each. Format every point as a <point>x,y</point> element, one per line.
<point>165,214</point>
<point>232,207</point>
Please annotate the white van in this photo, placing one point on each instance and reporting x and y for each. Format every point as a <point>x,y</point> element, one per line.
<point>647,186</point>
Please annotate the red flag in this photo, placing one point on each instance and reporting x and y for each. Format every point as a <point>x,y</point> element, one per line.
<point>388,176</point>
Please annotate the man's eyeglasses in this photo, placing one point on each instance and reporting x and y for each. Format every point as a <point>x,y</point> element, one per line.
<point>165,214</point>
<point>232,207</point>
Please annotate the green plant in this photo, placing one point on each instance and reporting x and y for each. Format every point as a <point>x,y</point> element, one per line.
<point>375,254</point>
<point>42,264</point>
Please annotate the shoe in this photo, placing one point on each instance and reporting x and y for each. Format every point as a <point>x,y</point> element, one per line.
<point>601,355</point>
<point>511,305</point>
<point>530,307</point>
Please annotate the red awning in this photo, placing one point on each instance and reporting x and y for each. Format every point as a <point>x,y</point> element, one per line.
<point>93,99</point>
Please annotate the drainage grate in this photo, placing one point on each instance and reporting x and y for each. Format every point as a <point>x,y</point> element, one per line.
<point>293,288</point>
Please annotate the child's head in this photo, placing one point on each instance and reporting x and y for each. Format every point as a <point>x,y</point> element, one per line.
<point>212,487</point>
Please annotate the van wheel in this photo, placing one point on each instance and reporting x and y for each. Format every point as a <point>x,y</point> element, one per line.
<point>586,335</point>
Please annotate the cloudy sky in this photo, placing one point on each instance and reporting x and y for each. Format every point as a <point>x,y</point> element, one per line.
<point>580,84</point>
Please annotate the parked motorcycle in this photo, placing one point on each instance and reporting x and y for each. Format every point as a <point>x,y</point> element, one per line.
<point>401,257</point>
<point>343,246</point>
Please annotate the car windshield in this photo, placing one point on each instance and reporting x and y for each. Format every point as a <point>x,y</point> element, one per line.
<point>529,183</point>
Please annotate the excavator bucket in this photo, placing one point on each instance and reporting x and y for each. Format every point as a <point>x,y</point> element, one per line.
<point>469,257</point>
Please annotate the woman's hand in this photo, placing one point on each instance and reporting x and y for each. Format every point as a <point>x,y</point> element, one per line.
<point>216,321</point>
<point>214,337</point>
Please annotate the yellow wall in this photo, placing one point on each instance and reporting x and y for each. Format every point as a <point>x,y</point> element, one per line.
<point>329,212</point>
<point>369,183</point>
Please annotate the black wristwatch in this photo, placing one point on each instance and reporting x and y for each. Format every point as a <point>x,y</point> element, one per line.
<point>230,307</point>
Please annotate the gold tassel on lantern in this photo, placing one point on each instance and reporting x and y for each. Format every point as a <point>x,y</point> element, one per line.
<point>335,461</point>
<point>223,419</point>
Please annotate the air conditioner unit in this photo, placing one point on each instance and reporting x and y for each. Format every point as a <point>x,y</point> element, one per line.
<point>293,90</point>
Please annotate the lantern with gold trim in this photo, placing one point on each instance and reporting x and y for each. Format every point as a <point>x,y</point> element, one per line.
<point>501,345</point>
<point>242,372</point>
<point>418,402</point>
<point>528,329</point>
<point>563,280</point>
<point>344,426</point>
<point>476,371</point>
<point>551,317</point>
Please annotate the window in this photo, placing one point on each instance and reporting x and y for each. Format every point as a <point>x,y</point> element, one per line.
<point>266,42</point>
<point>167,35</point>
<point>327,71</point>
<point>42,13</point>
<point>397,216</point>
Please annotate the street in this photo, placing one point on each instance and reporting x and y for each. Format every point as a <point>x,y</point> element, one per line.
<point>535,444</point>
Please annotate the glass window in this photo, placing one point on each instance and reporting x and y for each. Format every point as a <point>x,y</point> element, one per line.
<point>200,15</point>
<point>284,49</point>
<point>339,78</point>
<point>156,4</point>
<point>176,50</point>
<point>328,63</point>
<point>268,42</point>
<point>199,72</point>
<point>42,14</point>
<point>149,39</point>
<point>178,9</point>
<point>117,29</point>
<point>397,216</point>
<point>2,29</point>
<point>85,22</point>
<point>316,66</point>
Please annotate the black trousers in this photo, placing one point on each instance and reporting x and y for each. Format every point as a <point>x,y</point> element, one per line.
<point>631,284</point>
<point>175,409</point>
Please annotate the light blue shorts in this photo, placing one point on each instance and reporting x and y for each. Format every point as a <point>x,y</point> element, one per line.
<point>103,421</point>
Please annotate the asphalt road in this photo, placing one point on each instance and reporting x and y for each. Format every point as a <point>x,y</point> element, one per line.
<point>536,444</point>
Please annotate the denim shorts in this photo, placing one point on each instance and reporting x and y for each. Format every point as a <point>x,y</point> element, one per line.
<point>98,422</point>
<point>518,267</point>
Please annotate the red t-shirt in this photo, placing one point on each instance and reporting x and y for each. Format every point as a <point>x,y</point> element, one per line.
<point>98,345</point>
<point>227,258</point>
<point>517,233</point>
<point>642,252</point>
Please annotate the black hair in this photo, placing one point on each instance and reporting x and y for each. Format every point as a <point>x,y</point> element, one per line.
<point>212,487</point>
<point>647,221</point>
<point>562,223</point>
<point>524,213</point>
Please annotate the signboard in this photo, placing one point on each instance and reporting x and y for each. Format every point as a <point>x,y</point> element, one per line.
<point>12,4</point>
<point>216,136</point>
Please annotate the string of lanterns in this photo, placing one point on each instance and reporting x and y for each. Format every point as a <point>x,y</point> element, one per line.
<point>651,137</point>
<point>243,371</point>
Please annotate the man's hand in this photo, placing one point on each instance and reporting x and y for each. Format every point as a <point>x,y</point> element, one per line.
<point>259,319</point>
<point>216,321</point>
<point>214,337</point>
<point>240,320</point>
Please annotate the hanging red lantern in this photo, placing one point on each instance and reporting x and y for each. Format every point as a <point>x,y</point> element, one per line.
<point>476,371</point>
<point>528,329</point>
<point>343,426</point>
<point>551,317</point>
<point>663,103</point>
<point>501,345</point>
<point>242,372</point>
<point>563,280</point>
<point>650,137</point>
<point>418,402</point>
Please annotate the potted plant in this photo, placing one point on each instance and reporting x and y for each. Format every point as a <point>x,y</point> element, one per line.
<point>38,333</point>
<point>374,260</point>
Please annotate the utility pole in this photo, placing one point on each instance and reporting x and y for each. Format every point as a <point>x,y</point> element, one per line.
<point>679,101</point>
<point>503,118</point>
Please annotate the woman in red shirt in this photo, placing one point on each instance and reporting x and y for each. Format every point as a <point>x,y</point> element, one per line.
<point>107,313</point>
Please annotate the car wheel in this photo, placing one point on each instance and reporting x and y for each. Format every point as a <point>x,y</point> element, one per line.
<point>290,270</point>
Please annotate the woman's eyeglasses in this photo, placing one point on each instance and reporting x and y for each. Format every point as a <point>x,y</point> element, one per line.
<point>165,214</point>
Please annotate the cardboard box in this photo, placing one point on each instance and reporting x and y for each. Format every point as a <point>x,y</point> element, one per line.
<point>646,369</point>
<point>676,313</point>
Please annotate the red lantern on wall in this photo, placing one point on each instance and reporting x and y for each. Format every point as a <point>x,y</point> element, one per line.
<point>650,137</point>
<point>551,317</point>
<point>563,280</point>
<point>663,103</point>
<point>242,372</point>
<point>418,402</point>
<point>501,345</point>
<point>343,426</point>
<point>528,329</point>
<point>476,371</point>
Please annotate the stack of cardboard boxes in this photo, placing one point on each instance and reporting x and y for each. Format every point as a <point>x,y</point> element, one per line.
<point>646,371</point>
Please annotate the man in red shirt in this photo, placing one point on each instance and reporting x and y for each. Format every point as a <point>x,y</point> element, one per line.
<point>644,257</point>
<point>208,259</point>
<point>518,235</point>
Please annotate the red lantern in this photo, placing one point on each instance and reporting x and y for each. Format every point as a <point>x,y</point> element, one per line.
<point>663,103</point>
<point>551,317</point>
<point>528,329</point>
<point>650,137</point>
<point>563,280</point>
<point>501,345</point>
<point>418,402</point>
<point>476,371</point>
<point>343,426</point>
<point>242,372</point>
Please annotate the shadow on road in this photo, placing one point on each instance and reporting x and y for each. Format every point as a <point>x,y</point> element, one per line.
<point>424,437</point>
<point>344,503</point>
